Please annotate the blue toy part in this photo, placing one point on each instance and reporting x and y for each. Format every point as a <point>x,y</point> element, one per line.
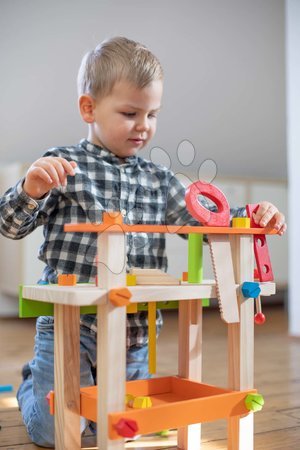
<point>250,289</point>
<point>6,388</point>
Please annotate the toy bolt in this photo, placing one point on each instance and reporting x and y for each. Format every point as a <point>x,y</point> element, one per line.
<point>259,317</point>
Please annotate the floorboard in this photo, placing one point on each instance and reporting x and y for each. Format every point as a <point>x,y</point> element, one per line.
<point>277,377</point>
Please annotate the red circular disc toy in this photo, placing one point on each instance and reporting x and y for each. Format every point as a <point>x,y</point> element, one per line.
<point>221,218</point>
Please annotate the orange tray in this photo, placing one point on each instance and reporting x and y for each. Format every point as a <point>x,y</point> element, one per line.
<point>176,402</point>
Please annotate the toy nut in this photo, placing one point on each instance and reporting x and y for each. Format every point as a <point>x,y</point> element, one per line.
<point>250,289</point>
<point>142,402</point>
<point>126,428</point>
<point>254,402</point>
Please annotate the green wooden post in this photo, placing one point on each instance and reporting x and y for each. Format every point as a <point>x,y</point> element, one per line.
<point>195,258</point>
<point>195,261</point>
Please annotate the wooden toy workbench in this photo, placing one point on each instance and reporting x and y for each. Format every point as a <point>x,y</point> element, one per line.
<point>180,401</point>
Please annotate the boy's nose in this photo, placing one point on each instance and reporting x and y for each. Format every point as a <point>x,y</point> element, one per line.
<point>143,125</point>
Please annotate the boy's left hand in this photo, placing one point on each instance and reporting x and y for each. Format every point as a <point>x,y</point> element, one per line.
<point>268,215</point>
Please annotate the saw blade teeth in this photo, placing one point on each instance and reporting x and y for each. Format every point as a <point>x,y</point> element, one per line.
<point>216,278</point>
<point>222,264</point>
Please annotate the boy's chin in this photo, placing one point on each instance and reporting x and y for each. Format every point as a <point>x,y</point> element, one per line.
<point>127,153</point>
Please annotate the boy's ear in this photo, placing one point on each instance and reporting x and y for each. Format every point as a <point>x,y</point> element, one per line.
<point>86,108</point>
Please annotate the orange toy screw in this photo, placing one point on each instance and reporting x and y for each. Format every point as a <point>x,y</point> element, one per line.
<point>119,296</point>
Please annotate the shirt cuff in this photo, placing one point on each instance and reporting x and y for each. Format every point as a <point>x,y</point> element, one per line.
<point>29,204</point>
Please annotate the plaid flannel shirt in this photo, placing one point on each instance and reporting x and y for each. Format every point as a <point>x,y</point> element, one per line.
<point>141,190</point>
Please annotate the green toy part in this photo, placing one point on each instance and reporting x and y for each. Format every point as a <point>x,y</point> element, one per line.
<point>254,402</point>
<point>163,433</point>
<point>195,258</point>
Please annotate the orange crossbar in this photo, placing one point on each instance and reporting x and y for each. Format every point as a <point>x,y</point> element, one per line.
<point>170,229</point>
<point>176,402</point>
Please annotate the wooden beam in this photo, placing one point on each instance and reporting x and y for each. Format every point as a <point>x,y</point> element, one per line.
<point>111,337</point>
<point>241,344</point>
<point>84,295</point>
<point>67,377</point>
<point>190,362</point>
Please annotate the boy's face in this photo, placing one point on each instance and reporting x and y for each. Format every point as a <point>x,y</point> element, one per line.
<point>125,120</point>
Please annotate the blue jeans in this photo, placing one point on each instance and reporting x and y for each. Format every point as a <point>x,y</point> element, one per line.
<point>32,392</point>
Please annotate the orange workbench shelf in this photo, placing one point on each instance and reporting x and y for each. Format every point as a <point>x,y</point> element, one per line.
<point>176,402</point>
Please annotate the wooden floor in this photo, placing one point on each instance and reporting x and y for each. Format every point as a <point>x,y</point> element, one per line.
<point>277,377</point>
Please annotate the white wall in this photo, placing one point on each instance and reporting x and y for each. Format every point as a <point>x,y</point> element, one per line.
<point>224,66</point>
<point>224,77</point>
<point>293,134</point>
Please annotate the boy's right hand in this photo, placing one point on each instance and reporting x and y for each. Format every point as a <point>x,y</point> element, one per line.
<point>47,173</point>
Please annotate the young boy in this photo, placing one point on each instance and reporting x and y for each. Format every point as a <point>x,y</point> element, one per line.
<point>120,88</point>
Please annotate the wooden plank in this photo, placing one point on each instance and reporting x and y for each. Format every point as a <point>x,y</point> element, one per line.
<point>153,276</point>
<point>67,377</point>
<point>277,375</point>
<point>190,362</point>
<point>15,435</point>
<point>156,281</point>
<point>23,447</point>
<point>92,295</point>
<point>276,440</point>
<point>221,258</point>
<point>285,435</point>
<point>154,442</point>
<point>172,229</point>
<point>111,337</point>
<point>10,418</point>
<point>141,294</point>
<point>241,344</point>
<point>79,295</point>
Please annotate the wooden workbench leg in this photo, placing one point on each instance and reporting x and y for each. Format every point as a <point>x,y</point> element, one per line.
<point>241,344</point>
<point>67,377</point>
<point>190,362</point>
<point>111,339</point>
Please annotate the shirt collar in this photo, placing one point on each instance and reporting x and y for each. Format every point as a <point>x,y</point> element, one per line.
<point>107,155</point>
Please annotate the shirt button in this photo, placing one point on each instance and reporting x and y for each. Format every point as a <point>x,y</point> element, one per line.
<point>123,212</point>
<point>31,206</point>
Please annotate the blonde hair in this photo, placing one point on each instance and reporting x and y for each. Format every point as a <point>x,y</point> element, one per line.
<point>114,60</point>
